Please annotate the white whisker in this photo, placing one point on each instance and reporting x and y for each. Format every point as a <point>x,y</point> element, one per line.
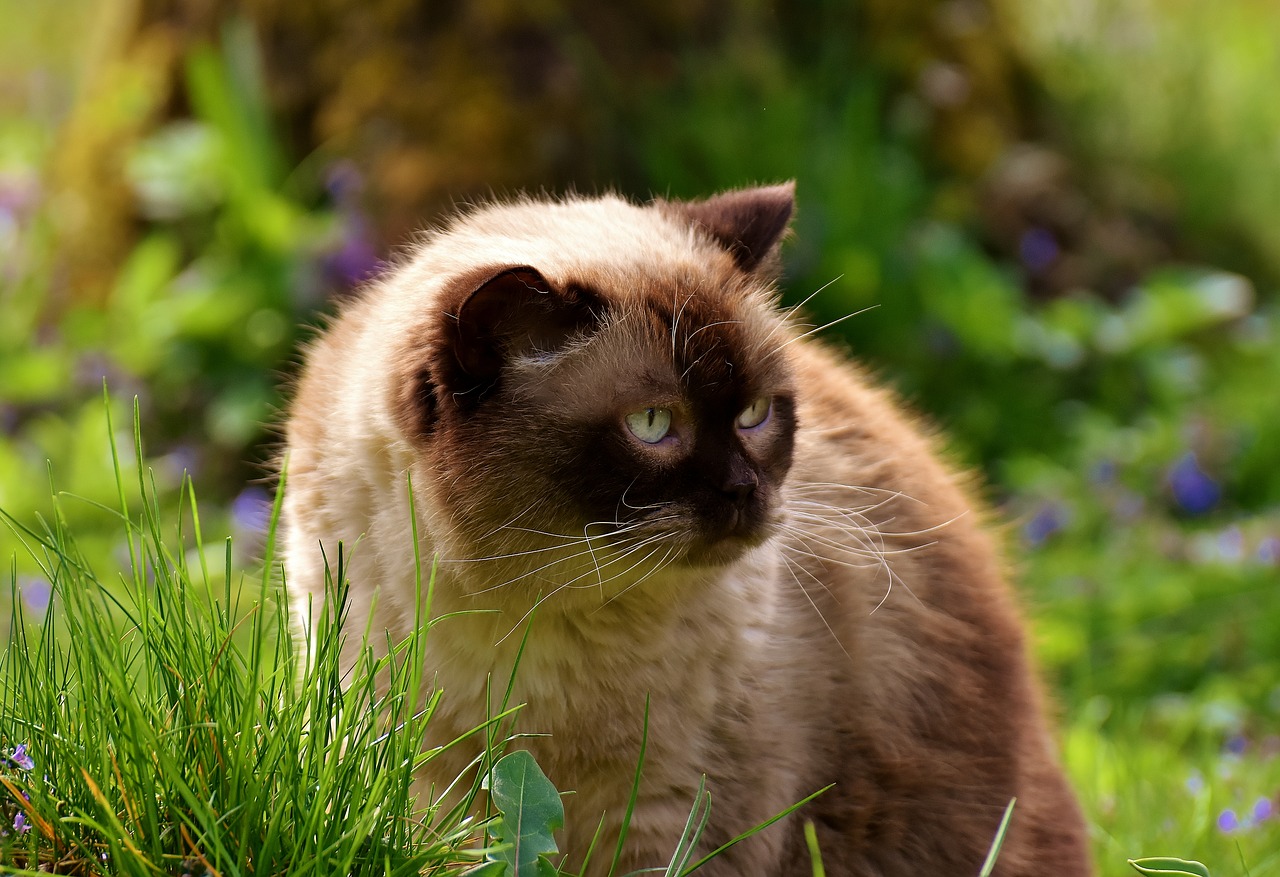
<point>791,567</point>
<point>826,326</point>
<point>791,310</point>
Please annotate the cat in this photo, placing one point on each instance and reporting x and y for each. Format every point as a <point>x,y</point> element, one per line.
<point>618,438</point>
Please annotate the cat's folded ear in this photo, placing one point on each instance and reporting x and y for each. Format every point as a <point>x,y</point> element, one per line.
<point>490,316</point>
<point>515,312</point>
<point>749,223</point>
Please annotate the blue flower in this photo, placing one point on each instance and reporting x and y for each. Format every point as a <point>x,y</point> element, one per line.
<point>20,824</point>
<point>1038,249</point>
<point>1228,821</point>
<point>251,511</point>
<point>20,757</point>
<point>1050,518</point>
<point>36,593</point>
<point>1193,489</point>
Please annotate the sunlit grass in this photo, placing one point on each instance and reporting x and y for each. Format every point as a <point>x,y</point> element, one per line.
<point>154,724</point>
<point>1155,789</point>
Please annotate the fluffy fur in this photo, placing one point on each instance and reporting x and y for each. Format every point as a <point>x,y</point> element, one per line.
<point>805,601</point>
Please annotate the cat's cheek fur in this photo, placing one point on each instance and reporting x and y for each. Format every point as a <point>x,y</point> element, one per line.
<point>811,604</point>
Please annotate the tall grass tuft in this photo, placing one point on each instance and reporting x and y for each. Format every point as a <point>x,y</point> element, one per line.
<point>155,723</point>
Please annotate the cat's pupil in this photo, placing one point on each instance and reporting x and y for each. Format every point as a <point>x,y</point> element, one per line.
<point>650,425</point>
<point>754,414</point>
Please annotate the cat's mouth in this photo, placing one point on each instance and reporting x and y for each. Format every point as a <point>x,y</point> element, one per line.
<point>730,534</point>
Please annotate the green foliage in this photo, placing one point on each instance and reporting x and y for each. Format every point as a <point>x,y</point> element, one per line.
<point>199,317</point>
<point>1170,107</point>
<point>173,727</point>
<point>530,813</point>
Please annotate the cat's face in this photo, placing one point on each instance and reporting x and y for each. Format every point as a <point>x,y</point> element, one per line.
<point>603,424</point>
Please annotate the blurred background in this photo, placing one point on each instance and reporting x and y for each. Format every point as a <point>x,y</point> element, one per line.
<point>1063,219</point>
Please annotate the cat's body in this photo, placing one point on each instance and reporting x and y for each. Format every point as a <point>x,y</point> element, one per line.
<point>606,418</point>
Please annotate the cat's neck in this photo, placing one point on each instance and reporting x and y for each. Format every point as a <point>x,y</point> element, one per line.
<point>640,638</point>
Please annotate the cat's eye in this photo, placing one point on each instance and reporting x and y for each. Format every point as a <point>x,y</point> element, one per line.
<point>650,425</point>
<point>754,414</point>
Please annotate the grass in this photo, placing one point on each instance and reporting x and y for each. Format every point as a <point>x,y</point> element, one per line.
<point>1153,785</point>
<point>172,729</point>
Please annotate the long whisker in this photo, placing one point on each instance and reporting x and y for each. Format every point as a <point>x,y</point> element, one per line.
<point>791,310</point>
<point>568,584</point>
<point>791,567</point>
<point>639,562</point>
<point>527,509</point>
<point>826,326</point>
<point>612,553</point>
<point>570,539</point>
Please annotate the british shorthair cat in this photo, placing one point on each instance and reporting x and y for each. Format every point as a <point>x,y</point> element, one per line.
<point>616,436</point>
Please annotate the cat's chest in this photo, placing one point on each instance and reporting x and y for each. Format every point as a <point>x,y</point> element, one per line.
<point>591,674</point>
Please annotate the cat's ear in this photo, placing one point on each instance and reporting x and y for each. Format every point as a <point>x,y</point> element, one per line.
<point>749,223</point>
<point>505,312</point>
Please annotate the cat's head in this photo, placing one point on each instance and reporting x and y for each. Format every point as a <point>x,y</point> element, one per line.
<point>604,390</point>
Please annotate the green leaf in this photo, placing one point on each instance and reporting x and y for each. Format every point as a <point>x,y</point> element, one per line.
<point>1163,865</point>
<point>531,813</point>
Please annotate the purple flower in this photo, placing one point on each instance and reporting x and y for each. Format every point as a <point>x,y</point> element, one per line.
<point>20,824</point>
<point>1228,821</point>
<point>1269,551</point>
<point>1048,520</point>
<point>355,260</point>
<point>1193,489</point>
<point>251,510</point>
<point>182,460</point>
<point>344,181</point>
<point>1038,249</point>
<point>1236,744</point>
<point>20,757</point>
<point>36,594</point>
<point>1262,810</point>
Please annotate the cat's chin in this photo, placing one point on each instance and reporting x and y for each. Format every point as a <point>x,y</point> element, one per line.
<point>710,553</point>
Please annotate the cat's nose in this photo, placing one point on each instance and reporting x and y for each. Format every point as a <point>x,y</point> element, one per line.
<point>740,488</point>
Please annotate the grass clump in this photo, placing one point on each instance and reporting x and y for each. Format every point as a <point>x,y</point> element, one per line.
<point>158,724</point>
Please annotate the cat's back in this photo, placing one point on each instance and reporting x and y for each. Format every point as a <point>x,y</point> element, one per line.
<point>940,722</point>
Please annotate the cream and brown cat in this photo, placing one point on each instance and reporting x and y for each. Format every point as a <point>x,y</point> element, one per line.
<point>616,436</point>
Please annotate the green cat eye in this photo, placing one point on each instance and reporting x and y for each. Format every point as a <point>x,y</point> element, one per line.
<point>754,414</point>
<point>650,425</point>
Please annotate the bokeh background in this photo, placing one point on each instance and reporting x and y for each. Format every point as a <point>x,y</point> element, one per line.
<point>1062,219</point>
